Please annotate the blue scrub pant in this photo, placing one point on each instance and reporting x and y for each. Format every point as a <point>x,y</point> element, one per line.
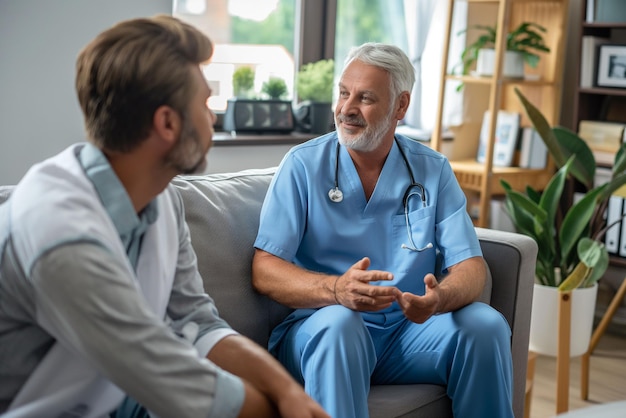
<point>336,354</point>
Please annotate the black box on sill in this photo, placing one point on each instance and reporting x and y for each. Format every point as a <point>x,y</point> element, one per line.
<point>258,116</point>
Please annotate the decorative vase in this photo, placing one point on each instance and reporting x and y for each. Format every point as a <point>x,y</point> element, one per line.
<point>513,66</point>
<point>544,327</point>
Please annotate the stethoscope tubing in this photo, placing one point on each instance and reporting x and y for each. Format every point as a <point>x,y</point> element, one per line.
<point>336,195</point>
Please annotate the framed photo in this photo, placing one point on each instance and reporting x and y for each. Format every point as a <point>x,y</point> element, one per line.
<point>506,132</point>
<point>611,67</point>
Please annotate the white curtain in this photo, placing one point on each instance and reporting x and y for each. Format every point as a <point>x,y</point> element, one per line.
<point>425,24</point>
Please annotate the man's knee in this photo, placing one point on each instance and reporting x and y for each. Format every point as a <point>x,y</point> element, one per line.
<point>335,321</point>
<point>481,321</point>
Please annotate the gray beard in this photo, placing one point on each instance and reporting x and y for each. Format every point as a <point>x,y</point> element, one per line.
<point>369,140</point>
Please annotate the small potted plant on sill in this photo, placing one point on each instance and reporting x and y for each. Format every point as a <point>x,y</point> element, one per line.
<point>243,82</point>
<point>275,88</point>
<point>522,46</point>
<point>314,86</point>
<point>572,255</point>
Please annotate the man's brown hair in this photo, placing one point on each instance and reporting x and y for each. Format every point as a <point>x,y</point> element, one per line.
<point>131,69</point>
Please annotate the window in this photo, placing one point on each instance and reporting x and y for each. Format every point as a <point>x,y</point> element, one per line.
<point>254,33</point>
<point>360,21</point>
<point>275,37</point>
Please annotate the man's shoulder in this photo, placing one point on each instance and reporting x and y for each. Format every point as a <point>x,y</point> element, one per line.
<point>418,148</point>
<point>317,144</point>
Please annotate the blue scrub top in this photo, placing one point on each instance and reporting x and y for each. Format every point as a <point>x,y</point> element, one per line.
<point>300,224</point>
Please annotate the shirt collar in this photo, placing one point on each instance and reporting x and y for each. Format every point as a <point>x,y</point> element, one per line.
<point>112,193</point>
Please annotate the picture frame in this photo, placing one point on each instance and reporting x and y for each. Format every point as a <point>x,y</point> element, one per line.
<point>611,66</point>
<point>506,132</point>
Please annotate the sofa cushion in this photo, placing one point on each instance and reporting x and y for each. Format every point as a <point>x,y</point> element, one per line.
<point>222,211</point>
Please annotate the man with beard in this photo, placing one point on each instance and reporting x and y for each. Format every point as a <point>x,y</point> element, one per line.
<point>349,233</point>
<point>99,288</point>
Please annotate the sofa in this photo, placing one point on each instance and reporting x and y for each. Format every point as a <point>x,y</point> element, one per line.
<point>222,211</point>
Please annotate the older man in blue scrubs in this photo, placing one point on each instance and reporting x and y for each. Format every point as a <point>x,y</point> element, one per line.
<point>349,233</point>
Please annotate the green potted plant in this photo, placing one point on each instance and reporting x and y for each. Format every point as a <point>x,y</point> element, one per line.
<point>275,88</point>
<point>243,81</point>
<point>522,46</point>
<point>314,85</point>
<point>571,255</point>
<point>314,81</point>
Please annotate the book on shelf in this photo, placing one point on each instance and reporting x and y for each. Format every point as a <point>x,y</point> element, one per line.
<point>615,236</point>
<point>604,138</point>
<point>506,133</point>
<point>590,13</point>
<point>588,53</point>
<point>533,151</point>
<point>613,216</point>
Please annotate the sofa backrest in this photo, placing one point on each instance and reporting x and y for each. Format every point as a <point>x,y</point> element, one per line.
<point>222,211</point>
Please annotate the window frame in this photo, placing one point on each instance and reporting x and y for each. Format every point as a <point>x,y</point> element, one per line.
<point>318,28</point>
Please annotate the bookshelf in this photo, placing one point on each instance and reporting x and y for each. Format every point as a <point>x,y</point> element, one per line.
<point>592,102</point>
<point>542,86</point>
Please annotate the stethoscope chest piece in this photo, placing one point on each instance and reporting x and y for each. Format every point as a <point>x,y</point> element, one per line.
<point>335,195</point>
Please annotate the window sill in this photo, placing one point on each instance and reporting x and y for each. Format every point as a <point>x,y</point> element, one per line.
<point>227,139</point>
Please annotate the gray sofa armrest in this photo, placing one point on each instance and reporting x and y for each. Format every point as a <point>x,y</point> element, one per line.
<point>511,258</point>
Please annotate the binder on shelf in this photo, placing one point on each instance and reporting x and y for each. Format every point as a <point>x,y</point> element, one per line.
<point>622,238</point>
<point>533,153</point>
<point>506,132</point>
<point>614,213</point>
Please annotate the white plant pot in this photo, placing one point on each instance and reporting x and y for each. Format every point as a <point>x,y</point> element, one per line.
<point>544,324</point>
<point>513,63</point>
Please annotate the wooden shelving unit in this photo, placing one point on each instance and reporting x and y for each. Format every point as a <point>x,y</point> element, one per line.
<point>544,93</point>
<point>603,104</point>
<point>594,103</point>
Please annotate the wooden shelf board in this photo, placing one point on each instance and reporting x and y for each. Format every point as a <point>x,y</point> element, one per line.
<point>602,91</point>
<point>604,25</point>
<point>514,1</point>
<point>617,261</point>
<point>470,79</point>
<point>469,173</point>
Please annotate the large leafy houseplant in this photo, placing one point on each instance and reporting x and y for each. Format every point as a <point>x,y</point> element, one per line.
<point>569,240</point>
<point>525,39</point>
<point>314,81</point>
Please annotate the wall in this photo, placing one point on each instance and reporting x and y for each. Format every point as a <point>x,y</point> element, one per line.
<point>224,159</point>
<point>39,42</point>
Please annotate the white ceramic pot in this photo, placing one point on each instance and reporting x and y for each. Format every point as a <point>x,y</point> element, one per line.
<point>513,63</point>
<point>544,324</point>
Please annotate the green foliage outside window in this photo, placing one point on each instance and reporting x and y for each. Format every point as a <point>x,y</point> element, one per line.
<point>277,29</point>
<point>315,81</point>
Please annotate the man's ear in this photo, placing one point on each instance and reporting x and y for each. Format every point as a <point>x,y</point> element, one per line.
<point>167,124</point>
<point>403,104</point>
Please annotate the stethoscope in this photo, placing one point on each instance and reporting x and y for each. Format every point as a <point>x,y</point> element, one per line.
<point>414,189</point>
